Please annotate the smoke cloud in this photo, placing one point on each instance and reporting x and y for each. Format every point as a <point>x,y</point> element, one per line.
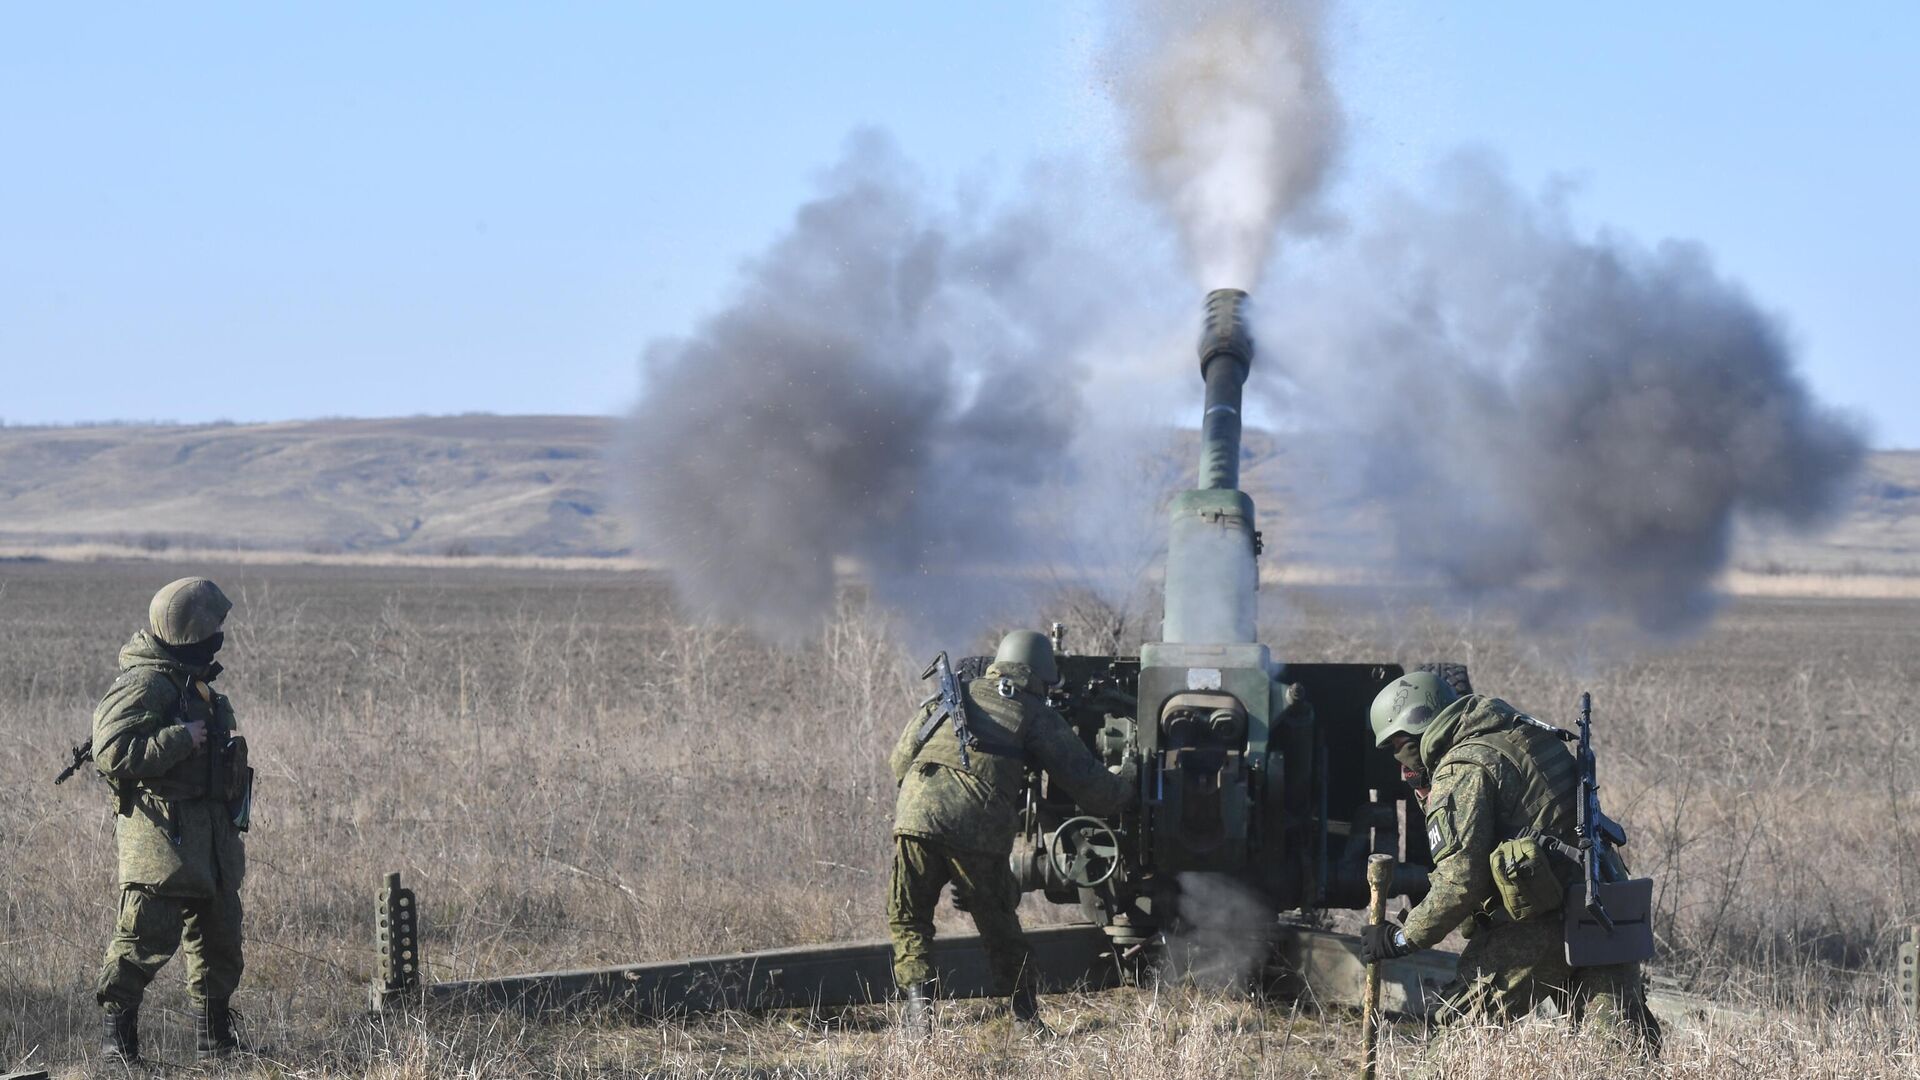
<point>1232,123</point>
<point>1532,406</point>
<point>891,383</point>
<point>897,386</point>
<point>1223,934</point>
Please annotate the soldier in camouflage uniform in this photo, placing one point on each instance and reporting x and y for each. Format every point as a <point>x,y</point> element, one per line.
<point>1486,773</point>
<point>955,822</point>
<point>165,741</point>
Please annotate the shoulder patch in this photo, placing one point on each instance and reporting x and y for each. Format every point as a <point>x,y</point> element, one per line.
<point>1443,838</point>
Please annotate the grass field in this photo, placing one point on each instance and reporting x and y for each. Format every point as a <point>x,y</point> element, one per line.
<point>571,774</point>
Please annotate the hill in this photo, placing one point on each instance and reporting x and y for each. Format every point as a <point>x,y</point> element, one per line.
<point>541,486</point>
<point>513,485</point>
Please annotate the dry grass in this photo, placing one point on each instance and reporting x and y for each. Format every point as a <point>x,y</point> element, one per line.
<point>571,775</point>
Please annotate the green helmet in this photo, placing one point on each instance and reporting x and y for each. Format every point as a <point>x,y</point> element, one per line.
<point>1408,705</point>
<point>188,611</point>
<point>1031,648</point>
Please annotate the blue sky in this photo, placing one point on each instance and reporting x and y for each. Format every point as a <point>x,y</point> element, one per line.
<point>276,211</point>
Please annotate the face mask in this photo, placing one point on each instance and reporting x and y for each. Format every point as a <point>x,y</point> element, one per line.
<point>1409,757</point>
<point>198,654</point>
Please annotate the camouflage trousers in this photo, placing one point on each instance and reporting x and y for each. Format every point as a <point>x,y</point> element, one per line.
<point>150,930</point>
<point>982,883</point>
<point>1508,969</point>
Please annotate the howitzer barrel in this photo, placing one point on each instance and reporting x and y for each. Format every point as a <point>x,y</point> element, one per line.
<point>1226,355</point>
<point>1211,578</point>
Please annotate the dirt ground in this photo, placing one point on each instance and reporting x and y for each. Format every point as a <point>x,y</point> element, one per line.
<point>571,774</point>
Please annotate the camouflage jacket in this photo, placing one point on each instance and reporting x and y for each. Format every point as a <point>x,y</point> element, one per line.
<point>1494,777</point>
<point>140,744</point>
<point>976,807</point>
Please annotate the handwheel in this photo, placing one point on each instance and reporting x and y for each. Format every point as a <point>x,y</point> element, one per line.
<point>1084,852</point>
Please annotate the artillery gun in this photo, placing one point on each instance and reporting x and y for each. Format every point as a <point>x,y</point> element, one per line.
<point>1251,769</point>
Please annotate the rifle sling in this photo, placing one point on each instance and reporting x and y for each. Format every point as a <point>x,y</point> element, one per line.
<point>973,741</point>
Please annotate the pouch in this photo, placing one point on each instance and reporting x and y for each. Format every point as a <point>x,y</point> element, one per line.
<point>1525,880</point>
<point>235,777</point>
<point>236,782</point>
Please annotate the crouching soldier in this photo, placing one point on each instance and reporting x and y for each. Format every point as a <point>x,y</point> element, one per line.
<point>1486,774</point>
<point>961,791</point>
<point>165,741</point>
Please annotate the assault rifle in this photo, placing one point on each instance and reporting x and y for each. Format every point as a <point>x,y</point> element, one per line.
<point>953,707</point>
<point>1598,833</point>
<point>81,755</point>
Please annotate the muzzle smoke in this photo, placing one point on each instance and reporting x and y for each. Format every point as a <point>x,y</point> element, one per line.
<point>1538,413</point>
<point>1528,406</point>
<point>868,399</point>
<point>1583,415</point>
<point>1231,123</point>
<point>1223,935</point>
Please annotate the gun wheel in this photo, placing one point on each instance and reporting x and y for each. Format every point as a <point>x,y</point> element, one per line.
<point>1454,675</point>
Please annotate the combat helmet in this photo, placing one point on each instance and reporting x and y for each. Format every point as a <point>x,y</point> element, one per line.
<point>188,611</point>
<point>1408,705</point>
<point>1032,649</point>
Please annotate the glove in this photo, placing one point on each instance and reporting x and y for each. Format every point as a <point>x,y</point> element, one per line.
<point>1383,942</point>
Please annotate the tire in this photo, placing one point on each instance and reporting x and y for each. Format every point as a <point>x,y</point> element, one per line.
<point>1454,675</point>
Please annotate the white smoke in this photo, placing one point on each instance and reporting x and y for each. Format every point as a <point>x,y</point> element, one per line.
<point>1231,122</point>
<point>1223,934</point>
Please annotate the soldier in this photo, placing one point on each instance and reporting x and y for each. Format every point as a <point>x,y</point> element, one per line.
<point>1486,773</point>
<point>165,741</point>
<point>955,820</point>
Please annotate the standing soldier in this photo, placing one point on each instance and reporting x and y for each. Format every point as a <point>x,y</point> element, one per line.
<point>1486,773</point>
<point>958,811</point>
<point>165,742</point>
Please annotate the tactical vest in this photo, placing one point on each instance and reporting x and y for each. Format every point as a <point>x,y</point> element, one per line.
<point>203,774</point>
<point>998,724</point>
<point>1539,786</point>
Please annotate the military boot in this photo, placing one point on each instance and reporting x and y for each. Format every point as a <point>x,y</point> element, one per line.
<point>213,1031</point>
<point>916,1015</point>
<point>120,1035</point>
<point>1026,1014</point>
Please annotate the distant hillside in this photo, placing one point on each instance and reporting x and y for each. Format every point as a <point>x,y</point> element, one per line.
<point>540,485</point>
<point>511,485</point>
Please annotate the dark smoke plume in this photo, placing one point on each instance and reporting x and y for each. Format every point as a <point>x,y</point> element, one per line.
<point>1532,406</point>
<point>890,386</point>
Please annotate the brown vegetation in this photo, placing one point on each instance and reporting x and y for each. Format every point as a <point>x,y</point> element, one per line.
<point>572,775</point>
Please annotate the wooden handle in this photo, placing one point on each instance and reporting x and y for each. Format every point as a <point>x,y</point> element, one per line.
<point>1379,879</point>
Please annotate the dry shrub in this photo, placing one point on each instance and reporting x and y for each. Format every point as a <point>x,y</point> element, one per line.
<point>572,775</point>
